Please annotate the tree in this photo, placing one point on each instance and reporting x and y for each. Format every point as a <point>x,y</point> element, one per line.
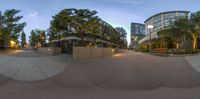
<point>10,23</point>
<point>33,38</point>
<point>194,27</point>
<point>81,20</point>
<point>4,33</point>
<point>178,31</point>
<point>165,38</point>
<point>23,39</point>
<point>37,37</point>
<point>122,35</point>
<point>189,28</point>
<point>42,37</point>
<point>1,19</point>
<point>110,33</point>
<point>83,23</point>
<point>1,27</point>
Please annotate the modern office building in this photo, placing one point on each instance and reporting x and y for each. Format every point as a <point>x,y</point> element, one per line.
<point>161,21</point>
<point>137,33</point>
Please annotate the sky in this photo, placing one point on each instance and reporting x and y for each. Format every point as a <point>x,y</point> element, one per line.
<point>119,13</point>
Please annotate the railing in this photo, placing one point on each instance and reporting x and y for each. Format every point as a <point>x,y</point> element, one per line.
<point>146,38</point>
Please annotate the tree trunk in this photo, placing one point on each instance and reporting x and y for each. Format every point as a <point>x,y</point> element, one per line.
<point>194,42</point>
<point>177,45</point>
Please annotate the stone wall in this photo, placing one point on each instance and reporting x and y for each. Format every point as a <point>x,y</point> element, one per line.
<point>50,50</point>
<point>89,52</point>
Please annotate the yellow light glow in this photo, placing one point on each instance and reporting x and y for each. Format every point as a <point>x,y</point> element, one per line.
<point>118,55</point>
<point>113,50</point>
<point>12,43</point>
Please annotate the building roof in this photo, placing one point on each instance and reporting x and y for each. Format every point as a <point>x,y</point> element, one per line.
<point>165,13</point>
<point>70,38</point>
<point>137,23</point>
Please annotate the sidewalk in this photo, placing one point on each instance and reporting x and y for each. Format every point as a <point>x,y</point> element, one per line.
<point>127,76</point>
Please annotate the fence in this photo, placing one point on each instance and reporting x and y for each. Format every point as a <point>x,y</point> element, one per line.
<point>89,52</point>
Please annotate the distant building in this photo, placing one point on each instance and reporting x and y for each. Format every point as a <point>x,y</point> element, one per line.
<point>137,33</point>
<point>161,21</point>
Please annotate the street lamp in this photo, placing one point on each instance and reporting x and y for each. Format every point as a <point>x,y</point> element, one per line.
<point>150,27</point>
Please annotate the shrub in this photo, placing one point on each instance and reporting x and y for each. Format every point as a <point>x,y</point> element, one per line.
<point>182,51</point>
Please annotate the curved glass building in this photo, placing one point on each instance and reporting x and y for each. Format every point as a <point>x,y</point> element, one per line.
<point>161,21</point>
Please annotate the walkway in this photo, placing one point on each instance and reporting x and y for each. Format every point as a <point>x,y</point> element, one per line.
<point>33,75</point>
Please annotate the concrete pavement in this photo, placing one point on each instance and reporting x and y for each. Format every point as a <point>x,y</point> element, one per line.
<point>30,65</point>
<point>122,76</point>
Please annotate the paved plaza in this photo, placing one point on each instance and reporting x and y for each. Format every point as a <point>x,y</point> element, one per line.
<point>132,75</point>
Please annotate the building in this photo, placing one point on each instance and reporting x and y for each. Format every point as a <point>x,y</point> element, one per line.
<point>137,33</point>
<point>161,21</point>
<point>6,42</point>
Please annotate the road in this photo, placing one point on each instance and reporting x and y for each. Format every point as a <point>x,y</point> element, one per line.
<point>34,75</point>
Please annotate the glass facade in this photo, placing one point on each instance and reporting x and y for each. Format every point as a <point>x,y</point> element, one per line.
<point>137,33</point>
<point>161,21</point>
<point>137,28</point>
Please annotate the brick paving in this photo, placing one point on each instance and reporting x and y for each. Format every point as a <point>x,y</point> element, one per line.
<point>33,75</point>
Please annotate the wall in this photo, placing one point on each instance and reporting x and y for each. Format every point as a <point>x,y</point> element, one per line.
<point>89,52</point>
<point>124,51</point>
<point>50,50</point>
<point>186,44</point>
<point>1,44</point>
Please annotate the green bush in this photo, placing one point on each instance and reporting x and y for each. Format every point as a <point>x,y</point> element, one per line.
<point>182,51</point>
<point>144,50</point>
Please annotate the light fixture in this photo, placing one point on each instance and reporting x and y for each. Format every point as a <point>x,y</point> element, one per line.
<point>150,26</point>
<point>12,43</point>
<point>113,50</point>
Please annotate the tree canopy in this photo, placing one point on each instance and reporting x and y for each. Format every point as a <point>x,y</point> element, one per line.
<point>184,29</point>
<point>10,25</point>
<point>80,21</point>
<point>23,39</point>
<point>122,37</point>
<point>37,37</point>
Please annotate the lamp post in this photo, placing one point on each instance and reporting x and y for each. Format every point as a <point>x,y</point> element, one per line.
<point>150,27</point>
